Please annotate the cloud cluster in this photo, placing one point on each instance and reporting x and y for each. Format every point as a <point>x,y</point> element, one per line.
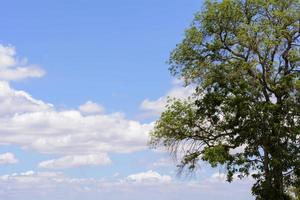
<point>13,102</point>
<point>13,69</point>
<point>91,108</point>
<point>38,125</point>
<point>47,130</point>
<point>149,177</point>
<point>50,185</point>
<point>84,136</point>
<point>76,161</point>
<point>155,107</point>
<point>8,158</point>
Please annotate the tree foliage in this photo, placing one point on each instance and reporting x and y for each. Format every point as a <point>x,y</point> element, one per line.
<point>243,56</point>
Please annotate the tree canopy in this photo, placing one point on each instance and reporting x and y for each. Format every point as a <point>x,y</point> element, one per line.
<point>243,57</point>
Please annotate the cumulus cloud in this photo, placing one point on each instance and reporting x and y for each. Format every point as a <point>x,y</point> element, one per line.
<point>8,158</point>
<point>68,132</point>
<point>13,69</point>
<point>55,185</point>
<point>76,161</point>
<point>155,107</point>
<point>149,177</point>
<point>17,102</point>
<point>35,124</point>
<point>91,108</point>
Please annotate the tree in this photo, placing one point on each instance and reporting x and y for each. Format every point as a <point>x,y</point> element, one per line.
<point>243,57</point>
<point>296,190</point>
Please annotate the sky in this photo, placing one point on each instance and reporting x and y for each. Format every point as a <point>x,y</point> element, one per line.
<point>81,85</point>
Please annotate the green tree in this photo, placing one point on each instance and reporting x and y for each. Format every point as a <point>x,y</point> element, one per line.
<point>295,190</point>
<point>243,57</point>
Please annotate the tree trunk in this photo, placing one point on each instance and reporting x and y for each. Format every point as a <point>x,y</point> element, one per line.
<point>278,184</point>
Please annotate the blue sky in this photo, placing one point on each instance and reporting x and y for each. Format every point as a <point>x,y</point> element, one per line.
<point>108,51</point>
<point>81,83</point>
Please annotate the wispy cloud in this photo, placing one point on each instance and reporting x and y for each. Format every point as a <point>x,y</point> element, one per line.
<point>76,161</point>
<point>12,69</point>
<point>155,107</point>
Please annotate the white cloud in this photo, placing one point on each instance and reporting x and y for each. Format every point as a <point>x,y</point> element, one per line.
<point>17,102</point>
<point>8,158</point>
<point>16,182</point>
<point>91,108</point>
<point>149,177</point>
<point>155,107</point>
<point>76,161</point>
<point>13,69</point>
<point>220,177</point>
<point>7,56</point>
<point>50,185</point>
<point>239,149</point>
<point>38,125</point>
